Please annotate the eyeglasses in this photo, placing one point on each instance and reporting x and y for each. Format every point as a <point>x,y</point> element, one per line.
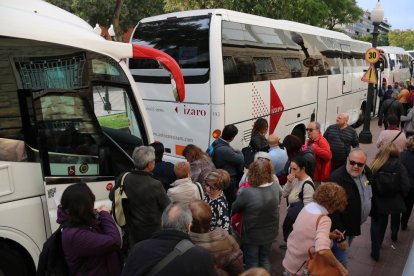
<point>353,163</point>
<point>210,187</point>
<point>309,129</point>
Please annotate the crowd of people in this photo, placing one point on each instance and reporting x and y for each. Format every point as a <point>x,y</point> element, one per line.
<point>214,215</point>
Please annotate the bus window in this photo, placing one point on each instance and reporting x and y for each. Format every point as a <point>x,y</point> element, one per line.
<point>76,111</point>
<point>294,66</point>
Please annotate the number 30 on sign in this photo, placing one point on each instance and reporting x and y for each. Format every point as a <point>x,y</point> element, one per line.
<point>372,55</point>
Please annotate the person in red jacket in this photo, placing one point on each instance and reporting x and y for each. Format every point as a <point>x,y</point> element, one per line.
<point>321,150</point>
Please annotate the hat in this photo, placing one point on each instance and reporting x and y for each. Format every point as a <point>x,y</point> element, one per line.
<point>262,155</point>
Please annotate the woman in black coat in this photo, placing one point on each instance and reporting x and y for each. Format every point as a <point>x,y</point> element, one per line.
<point>390,186</point>
<point>407,159</point>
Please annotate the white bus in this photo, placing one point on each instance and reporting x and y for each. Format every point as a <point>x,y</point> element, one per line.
<point>238,67</point>
<point>396,65</point>
<point>70,111</point>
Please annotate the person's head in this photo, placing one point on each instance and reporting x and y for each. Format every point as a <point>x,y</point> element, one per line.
<point>229,132</point>
<point>392,120</point>
<point>182,170</point>
<point>262,155</point>
<point>342,120</point>
<point>78,203</point>
<point>389,87</point>
<point>331,196</point>
<point>396,85</point>
<point>201,212</point>
<point>159,150</point>
<point>216,181</point>
<point>384,153</point>
<point>410,143</point>
<point>292,145</point>
<point>394,95</point>
<point>260,172</point>
<point>177,216</point>
<point>260,126</point>
<point>273,141</point>
<point>192,153</point>
<point>144,158</point>
<point>313,130</point>
<point>298,166</point>
<point>355,162</point>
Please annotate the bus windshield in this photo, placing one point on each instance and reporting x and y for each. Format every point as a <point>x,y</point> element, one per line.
<point>185,39</point>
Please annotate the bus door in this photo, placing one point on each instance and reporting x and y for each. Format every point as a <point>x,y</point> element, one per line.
<point>346,68</point>
<point>83,128</point>
<point>322,101</point>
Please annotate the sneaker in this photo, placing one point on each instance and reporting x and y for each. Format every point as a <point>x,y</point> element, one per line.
<point>394,236</point>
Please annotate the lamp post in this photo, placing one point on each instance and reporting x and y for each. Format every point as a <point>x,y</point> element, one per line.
<point>365,137</point>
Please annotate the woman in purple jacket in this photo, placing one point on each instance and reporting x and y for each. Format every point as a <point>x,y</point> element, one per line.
<point>90,239</point>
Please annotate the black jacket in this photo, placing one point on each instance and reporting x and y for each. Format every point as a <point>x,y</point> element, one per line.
<point>394,203</point>
<point>147,200</point>
<point>350,218</point>
<point>226,158</point>
<point>146,254</point>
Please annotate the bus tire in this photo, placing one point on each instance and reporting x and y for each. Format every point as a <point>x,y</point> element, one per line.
<point>15,261</point>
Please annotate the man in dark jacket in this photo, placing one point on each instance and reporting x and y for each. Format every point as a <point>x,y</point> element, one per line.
<point>226,158</point>
<point>354,177</point>
<point>146,255</point>
<point>147,198</point>
<point>341,137</point>
<point>390,106</point>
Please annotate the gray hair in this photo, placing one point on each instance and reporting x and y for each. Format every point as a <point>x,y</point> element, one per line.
<point>176,216</point>
<point>142,156</point>
<point>317,125</point>
<point>359,150</point>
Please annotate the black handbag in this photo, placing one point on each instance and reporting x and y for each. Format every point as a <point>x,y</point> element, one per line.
<point>248,153</point>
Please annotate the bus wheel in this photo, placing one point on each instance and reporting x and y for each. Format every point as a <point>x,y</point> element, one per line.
<point>14,261</point>
<point>361,117</point>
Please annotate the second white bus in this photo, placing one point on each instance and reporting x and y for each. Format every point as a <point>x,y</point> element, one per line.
<point>238,67</point>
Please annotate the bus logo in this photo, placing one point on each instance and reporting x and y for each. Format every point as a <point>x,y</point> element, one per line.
<point>276,109</point>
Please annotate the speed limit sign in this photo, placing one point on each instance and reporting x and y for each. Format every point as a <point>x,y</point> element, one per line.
<point>372,55</point>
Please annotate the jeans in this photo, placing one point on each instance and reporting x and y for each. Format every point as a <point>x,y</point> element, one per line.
<point>409,202</point>
<point>378,228</point>
<point>257,255</point>
<point>342,255</point>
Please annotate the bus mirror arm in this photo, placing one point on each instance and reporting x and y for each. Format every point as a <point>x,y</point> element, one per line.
<point>140,51</point>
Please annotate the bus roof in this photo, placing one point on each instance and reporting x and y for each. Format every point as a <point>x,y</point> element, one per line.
<point>392,50</point>
<point>254,19</point>
<point>38,20</point>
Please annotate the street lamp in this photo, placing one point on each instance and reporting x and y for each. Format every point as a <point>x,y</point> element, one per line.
<point>365,137</point>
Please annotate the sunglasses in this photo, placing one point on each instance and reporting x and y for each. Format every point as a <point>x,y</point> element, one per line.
<point>309,129</point>
<point>353,163</point>
<point>210,187</point>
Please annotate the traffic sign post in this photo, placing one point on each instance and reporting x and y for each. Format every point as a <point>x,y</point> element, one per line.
<point>372,56</point>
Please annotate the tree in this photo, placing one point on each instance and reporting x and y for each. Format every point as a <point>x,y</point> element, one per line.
<point>123,14</point>
<point>403,39</point>
<point>382,39</point>
<point>321,13</point>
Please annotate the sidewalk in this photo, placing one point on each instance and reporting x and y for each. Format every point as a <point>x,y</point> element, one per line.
<point>394,255</point>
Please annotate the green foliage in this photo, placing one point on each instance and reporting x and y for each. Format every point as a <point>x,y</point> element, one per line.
<point>115,121</point>
<point>403,39</point>
<point>382,39</point>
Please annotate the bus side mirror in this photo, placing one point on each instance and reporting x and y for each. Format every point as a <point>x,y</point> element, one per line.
<point>168,62</point>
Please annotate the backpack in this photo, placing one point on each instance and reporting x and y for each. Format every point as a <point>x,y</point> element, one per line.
<point>117,208</point>
<point>51,259</point>
<point>411,98</point>
<point>387,182</point>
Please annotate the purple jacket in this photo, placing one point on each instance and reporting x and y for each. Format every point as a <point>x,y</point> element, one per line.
<point>94,250</point>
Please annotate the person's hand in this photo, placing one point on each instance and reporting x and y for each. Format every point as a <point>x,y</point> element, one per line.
<point>343,245</point>
<point>103,208</point>
<point>336,235</point>
<point>291,177</point>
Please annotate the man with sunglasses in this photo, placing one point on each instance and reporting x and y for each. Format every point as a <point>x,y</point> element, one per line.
<point>354,177</point>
